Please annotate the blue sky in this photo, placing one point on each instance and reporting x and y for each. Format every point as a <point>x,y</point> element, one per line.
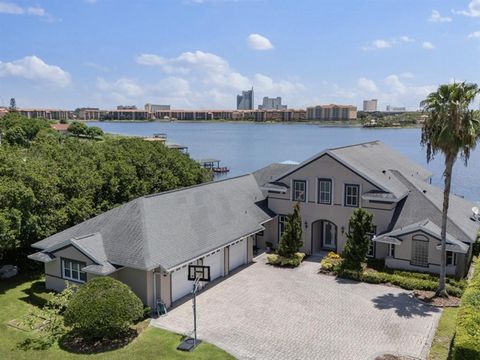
<point>201,53</point>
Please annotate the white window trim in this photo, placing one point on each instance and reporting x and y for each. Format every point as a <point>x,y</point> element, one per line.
<point>359,195</point>
<point>332,190</point>
<point>79,271</point>
<point>292,192</point>
<point>454,258</point>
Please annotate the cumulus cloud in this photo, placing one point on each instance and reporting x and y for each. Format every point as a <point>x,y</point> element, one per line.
<point>367,85</point>
<point>214,81</point>
<point>14,9</point>
<point>34,68</point>
<point>436,17</point>
<point>259,42</point>
<point>388,43</point>
<point>472,11</point>
<point>428,45</point>
<point>405,38</point>
<point>474,35</point>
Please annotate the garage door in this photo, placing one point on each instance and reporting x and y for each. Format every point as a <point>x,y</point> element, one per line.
<point>238,254</point>
<point>216,263</point>
<point>181,286</point>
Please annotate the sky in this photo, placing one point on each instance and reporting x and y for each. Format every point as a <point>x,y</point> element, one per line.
<point>202,53</point>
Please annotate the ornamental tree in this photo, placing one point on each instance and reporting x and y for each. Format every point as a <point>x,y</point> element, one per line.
<point>291,240</point>
<point>358,239</point>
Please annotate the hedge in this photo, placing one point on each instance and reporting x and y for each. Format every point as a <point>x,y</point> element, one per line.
<point>275,259</point>
<point>402,279</point>
<point>466,344</point>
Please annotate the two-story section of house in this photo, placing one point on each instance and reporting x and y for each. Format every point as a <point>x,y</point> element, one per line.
<point>396,190</point>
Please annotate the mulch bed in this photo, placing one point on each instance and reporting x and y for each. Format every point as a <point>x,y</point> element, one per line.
<point>74,343</point>
<point>429,298</point>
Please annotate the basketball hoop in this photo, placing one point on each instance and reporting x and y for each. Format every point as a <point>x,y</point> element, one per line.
<point>196,273</point>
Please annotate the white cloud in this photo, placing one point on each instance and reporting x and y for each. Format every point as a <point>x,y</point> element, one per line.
<point>14,9</point>
<point>428,45</point>
<point>436,17</point>
<point>473,9</point>
<point>34,68</point>
<point>259,42</point>
<point>474,35</point>
<point>405,38</point>
<point>367,85</point>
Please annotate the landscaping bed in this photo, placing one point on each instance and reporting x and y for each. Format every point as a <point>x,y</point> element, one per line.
<point>374,272</point>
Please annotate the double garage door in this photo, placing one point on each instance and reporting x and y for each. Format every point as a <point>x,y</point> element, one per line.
<point>181,286</point>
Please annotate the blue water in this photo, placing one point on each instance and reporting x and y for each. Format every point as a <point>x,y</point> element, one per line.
<point>245,147</point>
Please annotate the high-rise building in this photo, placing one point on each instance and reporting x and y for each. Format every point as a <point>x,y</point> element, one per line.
<point>154,108</point>
<point>272,104</point>
<point>370,105</point>
<point>245,101</point>
<point>332,112</point>
<point>396,108</point>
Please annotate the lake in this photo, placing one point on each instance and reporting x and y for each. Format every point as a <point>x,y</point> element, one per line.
<point>246,147</point>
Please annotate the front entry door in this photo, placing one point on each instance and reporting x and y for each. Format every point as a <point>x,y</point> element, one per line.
<point>329,235</point>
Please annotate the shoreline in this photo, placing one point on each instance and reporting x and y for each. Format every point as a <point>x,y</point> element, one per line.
<point>335,124</point>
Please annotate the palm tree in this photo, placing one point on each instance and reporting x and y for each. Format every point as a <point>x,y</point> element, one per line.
<point>451,128</point>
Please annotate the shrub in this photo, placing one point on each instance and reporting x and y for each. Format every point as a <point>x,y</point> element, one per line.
<point>275,259</point>
<point>358,239</point>
<point>333,255</point>
<point>103,308</point>
<point>331,262</point>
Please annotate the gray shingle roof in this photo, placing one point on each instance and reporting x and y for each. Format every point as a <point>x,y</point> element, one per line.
<point>373,160</point>
<point>270,172</point>
<point>425,201</point>
<point>171,228</point>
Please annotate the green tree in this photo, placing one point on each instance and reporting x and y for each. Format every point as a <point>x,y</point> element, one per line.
<point>93,132</point>
<point>291,240</point>
<point>103,308</point>
<point>360,227</point>
<point>452,129</point>
<point>78,128</point>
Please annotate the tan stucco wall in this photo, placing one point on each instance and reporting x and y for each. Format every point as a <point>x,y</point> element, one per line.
<point>403,254</point>
<point>327,167</point>
<point>165,289</point>
<point>269,235</point>
<point>140,281</point>
<point>249,249</point>
<point>53,269</point>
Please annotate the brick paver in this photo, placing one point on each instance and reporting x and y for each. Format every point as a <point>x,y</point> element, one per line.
<point>263,312</point>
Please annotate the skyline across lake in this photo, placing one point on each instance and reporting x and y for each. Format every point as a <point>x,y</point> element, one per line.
<point>246,147</point>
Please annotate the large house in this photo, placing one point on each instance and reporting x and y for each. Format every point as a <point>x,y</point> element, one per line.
<point>149,242</point>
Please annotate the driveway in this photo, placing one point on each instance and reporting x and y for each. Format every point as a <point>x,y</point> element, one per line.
<point>263,312</point>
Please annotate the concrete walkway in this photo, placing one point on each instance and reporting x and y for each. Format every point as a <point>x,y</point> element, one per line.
<point>263,312</point>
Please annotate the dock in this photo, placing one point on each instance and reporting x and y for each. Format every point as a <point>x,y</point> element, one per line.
<point>213,165</point>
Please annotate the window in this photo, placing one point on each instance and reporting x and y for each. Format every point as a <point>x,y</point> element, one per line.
<point>299,190</point>
<point>391,250</point>
<point>352,194</point>
<point>451,258</point>
<point>419,251</point>
<point>371,249</point>
<point>325,191</point>
<point>281,225</point>
<point>71,270</point>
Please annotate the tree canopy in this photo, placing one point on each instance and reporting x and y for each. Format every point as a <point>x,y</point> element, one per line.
<point>50,182</point>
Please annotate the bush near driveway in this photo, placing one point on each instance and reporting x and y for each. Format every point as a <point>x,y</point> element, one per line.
<point>467,336</point>
<point>275,259</point>
<point>103,308</point>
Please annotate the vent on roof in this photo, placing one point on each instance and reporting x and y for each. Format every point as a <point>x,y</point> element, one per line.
<point>424,191</point>
<point>384,171</point>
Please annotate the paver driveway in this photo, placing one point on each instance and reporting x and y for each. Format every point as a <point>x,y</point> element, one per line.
<point>263,312</point>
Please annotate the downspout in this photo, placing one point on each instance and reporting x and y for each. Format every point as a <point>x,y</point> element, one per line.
<point>154,307</point>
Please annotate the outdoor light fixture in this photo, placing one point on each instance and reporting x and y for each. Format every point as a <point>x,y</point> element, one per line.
<point>343,229</point>
<point>306,225</point>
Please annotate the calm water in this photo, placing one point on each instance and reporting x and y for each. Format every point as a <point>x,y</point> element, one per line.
<point>245,147</point>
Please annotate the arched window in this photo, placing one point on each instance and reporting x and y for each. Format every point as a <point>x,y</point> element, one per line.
<point>419,251</point>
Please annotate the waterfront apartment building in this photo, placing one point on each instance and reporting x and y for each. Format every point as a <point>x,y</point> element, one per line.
<point>49,114</point>
<point>152,108</point>
<point>396,108</point>
<point>126,107</point>
<point>272,104</point>
<point>245,101</point>
<point>332,112</point>
<point>370,105</point>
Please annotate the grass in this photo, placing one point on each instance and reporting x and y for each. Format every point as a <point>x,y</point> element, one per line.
<point>20,294</point>
<point>443,336</point>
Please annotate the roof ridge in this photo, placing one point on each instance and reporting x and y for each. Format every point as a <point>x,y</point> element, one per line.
<point>353,145</point>
<point>193,186</point>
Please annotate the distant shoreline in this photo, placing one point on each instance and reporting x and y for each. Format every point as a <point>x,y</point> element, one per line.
<point>339,124</point>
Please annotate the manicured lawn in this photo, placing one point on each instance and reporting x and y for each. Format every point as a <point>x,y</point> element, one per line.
<point>19,295</point>
<point>443,336</point>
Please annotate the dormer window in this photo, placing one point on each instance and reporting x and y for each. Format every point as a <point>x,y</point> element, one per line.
<point>299,190</point>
